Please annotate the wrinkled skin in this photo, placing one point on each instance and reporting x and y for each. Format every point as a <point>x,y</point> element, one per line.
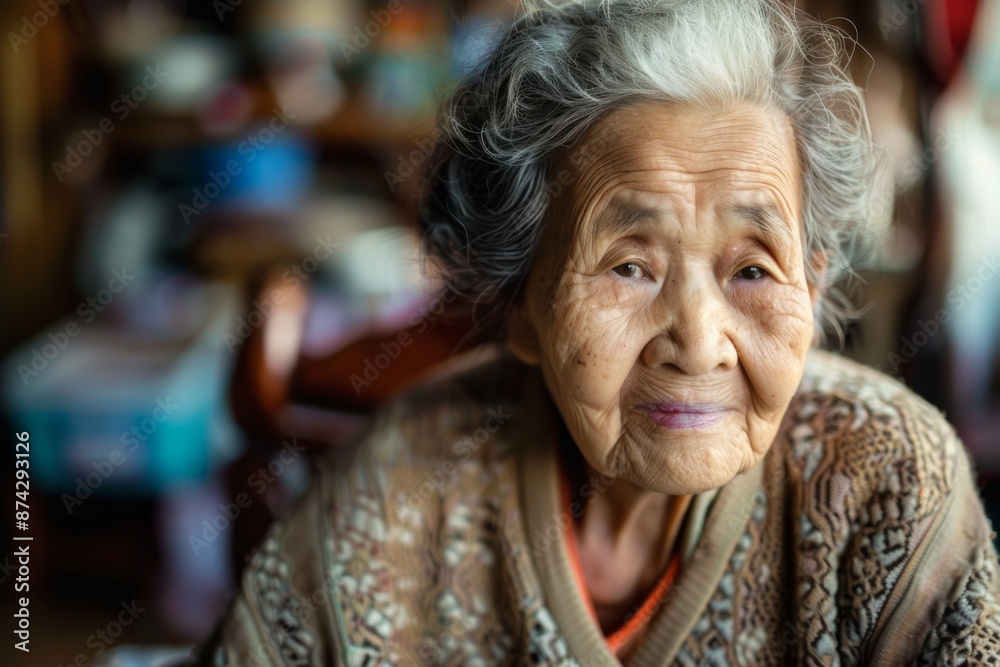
<point>672,310</point>
<point>672,344</point>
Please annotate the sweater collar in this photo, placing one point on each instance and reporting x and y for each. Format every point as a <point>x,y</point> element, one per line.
<point>708,538</point>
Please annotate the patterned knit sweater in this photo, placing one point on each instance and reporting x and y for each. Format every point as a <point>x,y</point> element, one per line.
<point>859,539</point>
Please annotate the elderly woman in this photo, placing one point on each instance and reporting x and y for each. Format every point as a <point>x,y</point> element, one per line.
<point>653,201</point>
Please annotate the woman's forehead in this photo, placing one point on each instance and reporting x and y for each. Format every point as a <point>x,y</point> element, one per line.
<point>668,155</point>
<point>644,133</point>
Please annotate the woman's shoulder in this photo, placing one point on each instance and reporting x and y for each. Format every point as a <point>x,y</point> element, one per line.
<point>473,391</point>
<point>861,399</point>
<point>871,432</point>
<point>451,427</point>
<point>420,493</point>
<point>883,490</point>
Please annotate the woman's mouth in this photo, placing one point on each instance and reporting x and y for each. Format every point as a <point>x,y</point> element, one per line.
<point>685,415</point>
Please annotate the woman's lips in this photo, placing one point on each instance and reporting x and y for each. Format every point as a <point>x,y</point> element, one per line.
<point>685,415</point>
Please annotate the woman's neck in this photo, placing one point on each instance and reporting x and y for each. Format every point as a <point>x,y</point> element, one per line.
<point>625,512</point>
<point>625,535</point>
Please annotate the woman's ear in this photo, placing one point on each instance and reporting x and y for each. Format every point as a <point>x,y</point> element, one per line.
<point>522,336</point>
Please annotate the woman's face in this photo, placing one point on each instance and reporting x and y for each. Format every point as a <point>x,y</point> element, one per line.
<point>668,306</point>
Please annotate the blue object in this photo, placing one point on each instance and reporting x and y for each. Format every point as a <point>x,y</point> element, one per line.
<point>269,168</point>
<point>110,414</point>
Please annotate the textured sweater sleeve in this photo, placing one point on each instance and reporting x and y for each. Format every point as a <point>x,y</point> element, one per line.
<point>945,606</point>
<point>284,609</point>
<point>967,631</point>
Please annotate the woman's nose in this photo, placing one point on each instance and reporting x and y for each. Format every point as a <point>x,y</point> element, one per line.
<point>692,329</point>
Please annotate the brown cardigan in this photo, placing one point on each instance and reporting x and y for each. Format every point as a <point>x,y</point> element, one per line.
<point>859,539</point>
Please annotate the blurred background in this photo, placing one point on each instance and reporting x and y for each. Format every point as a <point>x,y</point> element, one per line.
<point>208,251</point>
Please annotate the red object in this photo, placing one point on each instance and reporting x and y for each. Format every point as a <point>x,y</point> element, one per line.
<point>948,25</point>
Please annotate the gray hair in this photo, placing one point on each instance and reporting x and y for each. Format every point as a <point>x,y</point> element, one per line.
<point>564,65</point>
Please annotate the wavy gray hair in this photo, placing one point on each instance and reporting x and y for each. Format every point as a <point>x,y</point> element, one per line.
<point>564,65</point>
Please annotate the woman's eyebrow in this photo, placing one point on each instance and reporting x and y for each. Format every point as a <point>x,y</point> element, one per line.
<point>621,216</point>
<point>766,219</point>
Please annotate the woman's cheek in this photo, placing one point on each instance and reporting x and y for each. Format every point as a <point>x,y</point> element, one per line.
<point>776,334</point>
<point>781,311</point>
<point>585,317</point>
<point>590,375</point>
<point>593,383</point>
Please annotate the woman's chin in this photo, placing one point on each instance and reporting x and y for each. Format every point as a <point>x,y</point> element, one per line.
<point>691,462</point>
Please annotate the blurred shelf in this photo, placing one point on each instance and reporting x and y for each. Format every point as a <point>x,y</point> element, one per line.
<point>353,123</point>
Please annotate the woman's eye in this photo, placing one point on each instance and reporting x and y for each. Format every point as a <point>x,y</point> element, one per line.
<point>751,273</point>
<point>629,270</point>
